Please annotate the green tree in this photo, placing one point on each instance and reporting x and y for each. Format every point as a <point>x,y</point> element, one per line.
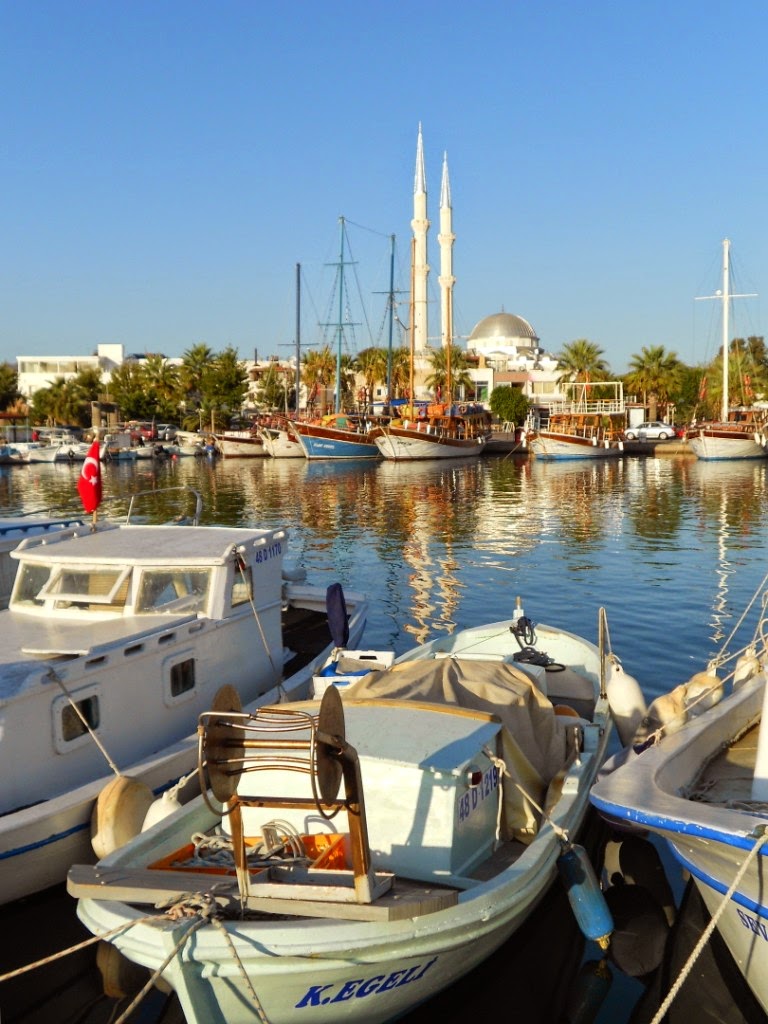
<point>128,389</point>
<point>509,404</point>
<point>9,385</point>
<point>655,374</point>
<point>460,378</point>
<point>225,385</point>
<point>163,383</point>
<point>581,361</point>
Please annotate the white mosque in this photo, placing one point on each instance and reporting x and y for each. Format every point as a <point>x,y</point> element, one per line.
<point>503,349</point>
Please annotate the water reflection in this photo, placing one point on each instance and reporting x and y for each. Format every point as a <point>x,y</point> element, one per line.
<point>672,548</point>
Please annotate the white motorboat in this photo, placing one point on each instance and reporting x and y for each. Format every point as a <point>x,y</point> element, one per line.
<point>281,442</point>
<point>115,640</point>
<point>466,770</point>
<point>697,775</point>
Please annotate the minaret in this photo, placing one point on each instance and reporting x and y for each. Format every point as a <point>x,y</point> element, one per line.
<point>445,239</point>
<point>420,226</point>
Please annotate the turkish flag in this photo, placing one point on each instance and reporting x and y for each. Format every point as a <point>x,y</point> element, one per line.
<point>89,484</point>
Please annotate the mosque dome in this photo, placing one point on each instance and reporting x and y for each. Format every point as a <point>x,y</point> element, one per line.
<point>502,327</point>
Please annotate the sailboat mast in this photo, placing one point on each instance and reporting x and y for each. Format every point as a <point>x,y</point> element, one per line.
<point>298,336</point>
<point>726,300</point>
<point>391,316</point>
<point>337,402</point>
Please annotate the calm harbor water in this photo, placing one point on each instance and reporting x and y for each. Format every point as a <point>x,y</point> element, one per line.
<point>672,548</point>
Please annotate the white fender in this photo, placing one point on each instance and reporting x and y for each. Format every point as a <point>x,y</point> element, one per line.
<point>702,691</point>
<point>625,699</point>
<point>160,808</point>
<point>119,813</point>
<point>747,665</point>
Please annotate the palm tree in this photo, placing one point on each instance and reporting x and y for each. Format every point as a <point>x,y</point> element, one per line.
<point>581,361</point>
<point>372,364</point>
<point>319,369</point>
<point>438,379</point>
<point>401,372</point>
<point>163,382</point>
<point>655,373</point>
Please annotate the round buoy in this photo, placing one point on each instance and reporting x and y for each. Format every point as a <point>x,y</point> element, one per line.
<point>160,808</point>
<point>119,813</point>
<point>640,930</point>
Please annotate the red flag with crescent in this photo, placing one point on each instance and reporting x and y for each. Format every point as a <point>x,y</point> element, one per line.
<point>89,484</point>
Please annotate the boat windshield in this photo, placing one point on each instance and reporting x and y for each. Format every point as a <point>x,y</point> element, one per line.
<point>173,591</point>
<point>98,589</point>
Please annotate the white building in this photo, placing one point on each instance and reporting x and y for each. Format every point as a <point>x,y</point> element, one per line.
<point>508,354</point>
<point>36,372</point>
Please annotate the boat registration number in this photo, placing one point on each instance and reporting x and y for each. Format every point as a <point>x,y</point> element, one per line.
<point>269,552</point>
<point>470,801</point>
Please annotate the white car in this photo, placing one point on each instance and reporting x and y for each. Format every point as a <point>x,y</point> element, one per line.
<point>652,430</point>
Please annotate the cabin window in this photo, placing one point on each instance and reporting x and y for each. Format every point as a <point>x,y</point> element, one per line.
<point>173,591</point>
<point>182,677</point>
<point>242,586</point>
<point>72,725</point>
<point>29,582</point>
<point>95,589</point>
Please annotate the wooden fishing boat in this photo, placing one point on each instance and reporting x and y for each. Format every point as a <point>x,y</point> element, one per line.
<point>443,432</point>
<point>696,774</point>
<point>466,768</point>
<point>336,436</point>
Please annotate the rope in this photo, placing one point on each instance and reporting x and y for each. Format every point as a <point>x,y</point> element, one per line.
<point>710,927</point>
<point>561,833</point>
<point>74,949</point>
<point>249,588</point>
<point>241,968</point>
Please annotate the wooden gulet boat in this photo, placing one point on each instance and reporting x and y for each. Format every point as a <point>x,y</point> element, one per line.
<point>115,639</point>
<point>587,427</point>
<point>696,773</point>
<point>464,770</point>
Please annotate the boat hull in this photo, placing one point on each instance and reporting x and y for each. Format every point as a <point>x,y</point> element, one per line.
<point>710,840</point>
<point>400,444</point>
<point>712,444</point>
<point>547,445</point>
<point>321,442</point>
<point>244,447</point>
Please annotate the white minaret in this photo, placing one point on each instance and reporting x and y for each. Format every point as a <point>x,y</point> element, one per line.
<point>420,227</point>
<point>445,239</point>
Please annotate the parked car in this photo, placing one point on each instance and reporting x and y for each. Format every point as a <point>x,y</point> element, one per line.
<point>166,431</point>
<point>651,430</point>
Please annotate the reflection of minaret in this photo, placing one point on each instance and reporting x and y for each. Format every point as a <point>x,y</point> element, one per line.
<point>420,226</point>
<point>446,238</point>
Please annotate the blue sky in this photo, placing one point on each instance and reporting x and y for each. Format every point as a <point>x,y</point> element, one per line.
<point>165,165</point>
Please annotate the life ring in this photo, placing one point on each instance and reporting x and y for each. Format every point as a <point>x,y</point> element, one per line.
<point>462,408</point>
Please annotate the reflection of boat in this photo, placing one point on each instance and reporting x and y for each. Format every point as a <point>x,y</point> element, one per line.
<point>436,853</point>
<point>701,782</point>
<point>740,433</point>
<point>114,641</point>
<point>590,426</point>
